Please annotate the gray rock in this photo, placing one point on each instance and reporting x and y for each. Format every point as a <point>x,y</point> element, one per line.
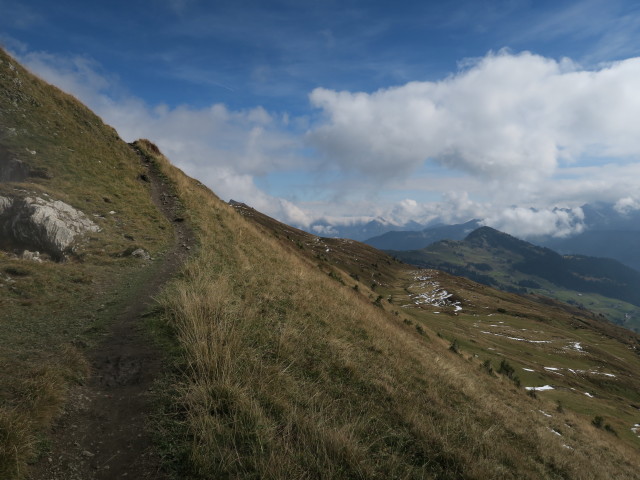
<point>51,226</point>
<point>141,253</point>
<point>32,256</point>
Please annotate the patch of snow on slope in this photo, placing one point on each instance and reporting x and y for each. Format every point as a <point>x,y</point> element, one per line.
<point>518,339</point>
<point>432,294</point>
<point>540,389</point>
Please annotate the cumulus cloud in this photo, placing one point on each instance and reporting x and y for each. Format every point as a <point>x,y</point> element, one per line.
<point>518,127</point>
<point>504,116</point>
<point>455,207</point>
<point>627,205</point>
<point>528,222</point>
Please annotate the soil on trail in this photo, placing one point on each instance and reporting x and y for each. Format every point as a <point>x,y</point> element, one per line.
<point>103,433</point>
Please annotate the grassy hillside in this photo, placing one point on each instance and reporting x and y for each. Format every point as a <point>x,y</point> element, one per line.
<point>51,313</point>
<point>487,256</point>
<point>292,372</point>
<point>296,356</point>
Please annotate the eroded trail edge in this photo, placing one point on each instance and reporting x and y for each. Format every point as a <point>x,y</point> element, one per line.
<point>103,433</point>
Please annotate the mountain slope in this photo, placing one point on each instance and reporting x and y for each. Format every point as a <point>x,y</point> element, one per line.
<point>310,376</point>
<point>495,258</point>
<point>415,240</point>
<point>300,357</point>
<point>55,308</point>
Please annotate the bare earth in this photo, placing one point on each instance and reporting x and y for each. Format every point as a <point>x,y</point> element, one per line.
<point>103,433</point>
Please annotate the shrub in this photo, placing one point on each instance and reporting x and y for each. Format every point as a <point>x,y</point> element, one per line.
<point>487,366</point>
<point>506,369</point>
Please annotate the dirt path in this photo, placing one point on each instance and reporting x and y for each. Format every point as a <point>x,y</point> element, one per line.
<point>103,435</point>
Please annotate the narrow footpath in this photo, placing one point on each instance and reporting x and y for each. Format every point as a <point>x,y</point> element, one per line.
<point>103,433</point>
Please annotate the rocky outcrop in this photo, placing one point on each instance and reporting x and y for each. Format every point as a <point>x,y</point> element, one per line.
<point>36,223</point>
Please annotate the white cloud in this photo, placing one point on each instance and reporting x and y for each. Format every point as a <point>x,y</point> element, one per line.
<point>518,127</point>
<point>529,222</point>
<point>627,205</point>
<point>506,117</point>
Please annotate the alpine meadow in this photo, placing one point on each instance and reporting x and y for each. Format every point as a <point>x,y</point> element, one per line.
<point>179,336</point>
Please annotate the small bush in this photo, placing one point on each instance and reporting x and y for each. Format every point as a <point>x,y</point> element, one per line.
<point>506,369</point>
<point>336,277</point>
<point>532,393</point>
<point>487,366</point>
<point>454,347</point>
<point>597,421</point>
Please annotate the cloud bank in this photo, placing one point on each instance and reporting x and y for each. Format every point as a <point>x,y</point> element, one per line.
<point>513,137</point>
<point>503,117</point>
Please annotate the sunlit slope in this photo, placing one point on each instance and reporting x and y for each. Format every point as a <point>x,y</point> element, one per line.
<point>294,373</point>
<point>51,311</point>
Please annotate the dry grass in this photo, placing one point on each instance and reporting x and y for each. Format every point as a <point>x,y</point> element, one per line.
<point>290,374</point>
<point>46,308</point>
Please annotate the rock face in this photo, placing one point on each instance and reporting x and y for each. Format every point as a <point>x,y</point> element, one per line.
<point>46,225</point>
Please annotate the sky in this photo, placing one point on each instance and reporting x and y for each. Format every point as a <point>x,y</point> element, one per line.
<point>516,112</point>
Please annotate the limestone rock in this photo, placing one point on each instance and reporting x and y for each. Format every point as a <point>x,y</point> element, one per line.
<point>141,253</point>
<point>33,256</point>
<point>47,225</point>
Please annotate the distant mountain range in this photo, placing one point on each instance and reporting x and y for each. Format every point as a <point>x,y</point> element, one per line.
<point>414,240</point>
<point>497,259</point>
<point>608,233</point>
<point>360,230</point>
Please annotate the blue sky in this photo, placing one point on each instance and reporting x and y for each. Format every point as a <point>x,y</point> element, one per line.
<point>416,110</point>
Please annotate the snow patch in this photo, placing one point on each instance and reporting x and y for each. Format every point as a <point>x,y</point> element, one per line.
<point>432,293</point>
<point>540,389</point>
<point>518,339</point>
